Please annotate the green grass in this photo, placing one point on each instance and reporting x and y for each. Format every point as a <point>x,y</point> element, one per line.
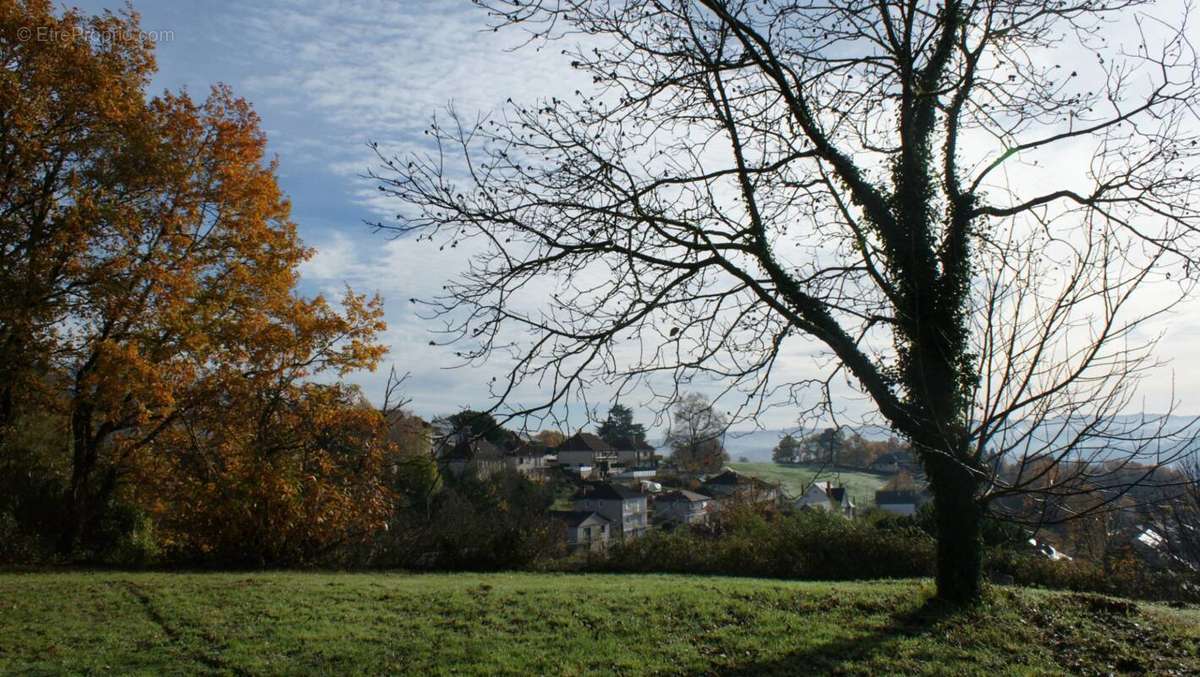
<point>521,624</point>
<point>794,478</point>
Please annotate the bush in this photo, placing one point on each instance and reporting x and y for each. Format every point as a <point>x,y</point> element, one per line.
<point>499,523</point>
<point>125,537</point>
<point>807,544</point>
<point>1123,576</point>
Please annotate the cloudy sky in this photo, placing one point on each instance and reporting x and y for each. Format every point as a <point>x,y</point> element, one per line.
<point>327,76</point>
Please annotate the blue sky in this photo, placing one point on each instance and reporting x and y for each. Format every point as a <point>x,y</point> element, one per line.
<point>327,76</point>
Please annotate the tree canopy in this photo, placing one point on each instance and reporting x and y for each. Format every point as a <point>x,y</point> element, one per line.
<point>150,261</point>
<point>787,451</point>
<point>956,200</point>
<point>697,435</point>
<point>620,431</point>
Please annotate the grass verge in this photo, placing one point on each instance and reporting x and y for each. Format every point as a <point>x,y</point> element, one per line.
<point>520,624</point>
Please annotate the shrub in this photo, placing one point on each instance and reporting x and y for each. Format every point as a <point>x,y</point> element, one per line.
<point>498,523</point>
<point>1122,576</point>
<point>808,544</point>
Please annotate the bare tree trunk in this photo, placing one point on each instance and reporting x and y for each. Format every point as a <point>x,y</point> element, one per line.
<point>959,545</point>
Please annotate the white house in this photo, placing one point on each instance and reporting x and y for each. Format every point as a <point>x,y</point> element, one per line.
<point>484,459</point>
<point>623,507</point>
<point>828,498</point>
<point>585,530</point>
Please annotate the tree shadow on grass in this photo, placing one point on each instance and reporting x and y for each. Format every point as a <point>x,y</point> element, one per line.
<point>853,654</point>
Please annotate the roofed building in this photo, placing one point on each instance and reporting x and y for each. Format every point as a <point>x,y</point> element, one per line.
<point>682,507</point>
<point>734,485</point>
<point>587,450</point>
<point>825,496</point>
<point>902,501</point>
<point>484,459</point>
<point>625,508</point>
<point>585,529</point>
<point>639,456</point>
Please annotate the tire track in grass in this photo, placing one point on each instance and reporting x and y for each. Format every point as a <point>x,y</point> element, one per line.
<point>173,634</point>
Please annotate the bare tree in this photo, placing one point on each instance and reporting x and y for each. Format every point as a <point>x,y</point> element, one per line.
<point>858,174</point>
<point>697,435</point>
<point>1177,522</point>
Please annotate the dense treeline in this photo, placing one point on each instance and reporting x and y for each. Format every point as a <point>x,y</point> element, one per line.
<point>833,446</point>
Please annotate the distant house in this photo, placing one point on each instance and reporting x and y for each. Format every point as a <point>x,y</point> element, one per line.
<point>902,501</point>
<point>734,485</point>
<point>681,507</point>
<point>587,450</point>
<point>484,459</point>
<point>584,529</point>
<point>477,456</point>
<point>623,507</point>
<point>895,462</point>
<point>639,456</point>
<point>531,459</point>
<point>1160,545</point>
<point>828,498</point>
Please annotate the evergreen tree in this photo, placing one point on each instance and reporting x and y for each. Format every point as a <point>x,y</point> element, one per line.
<point>619,429</point>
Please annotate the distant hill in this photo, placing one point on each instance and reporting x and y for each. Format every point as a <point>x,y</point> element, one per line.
<point>756,445</point>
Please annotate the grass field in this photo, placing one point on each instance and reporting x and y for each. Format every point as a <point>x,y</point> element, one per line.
<point>862,485</point>
<point>522,624</point>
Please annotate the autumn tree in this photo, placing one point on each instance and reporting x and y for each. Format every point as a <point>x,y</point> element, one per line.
<point>67,109</point>
<point>149,254</point>
<point>957,201</point>
<point>276,471</point>
<point>858,452</point>
<point>550,438</point>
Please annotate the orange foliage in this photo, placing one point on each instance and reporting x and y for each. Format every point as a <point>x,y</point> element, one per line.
<point>270,477</point>
<point>65,106</point>
<point>152,274</point>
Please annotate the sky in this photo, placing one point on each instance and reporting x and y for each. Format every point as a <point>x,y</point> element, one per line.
<point>329,76</point>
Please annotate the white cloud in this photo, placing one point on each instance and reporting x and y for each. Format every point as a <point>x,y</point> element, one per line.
<point>377,70</point>
<point>336,74</point>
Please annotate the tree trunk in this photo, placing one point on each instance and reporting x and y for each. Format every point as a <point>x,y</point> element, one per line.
<point>84,455</point>
<point>959,543</point>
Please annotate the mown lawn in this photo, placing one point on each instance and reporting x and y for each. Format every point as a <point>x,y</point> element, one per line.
<point>523,624</point>
<point>795,478</point>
